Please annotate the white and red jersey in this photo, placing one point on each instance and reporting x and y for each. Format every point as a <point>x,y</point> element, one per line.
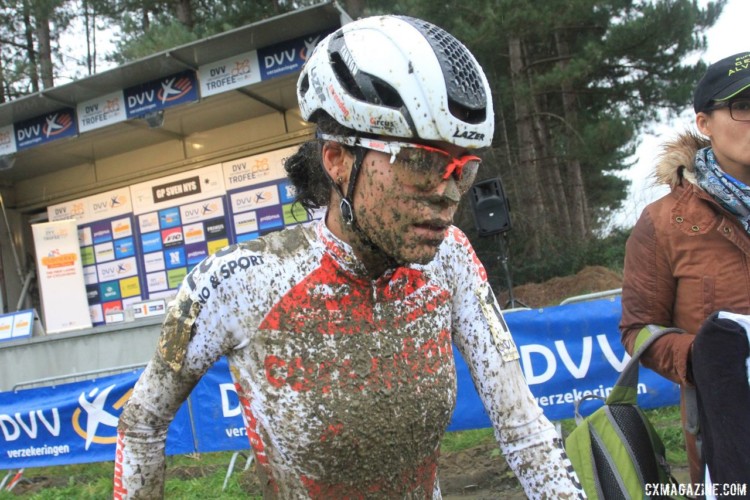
<point>347,383</point>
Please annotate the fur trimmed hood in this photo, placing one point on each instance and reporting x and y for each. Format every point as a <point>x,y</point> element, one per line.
<point>676,159</point>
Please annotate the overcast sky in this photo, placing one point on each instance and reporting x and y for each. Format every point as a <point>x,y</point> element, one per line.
<point>728,36</point>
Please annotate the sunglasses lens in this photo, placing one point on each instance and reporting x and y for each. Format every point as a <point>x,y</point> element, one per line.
<point>468,174</point>
<point>437,165</point>
<point>424,161</point>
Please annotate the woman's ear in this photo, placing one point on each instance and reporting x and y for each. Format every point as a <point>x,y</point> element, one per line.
<point>703,122</point>
<point>337,161</point>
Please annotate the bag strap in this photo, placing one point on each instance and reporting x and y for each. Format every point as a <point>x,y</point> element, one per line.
<point>577,405</point>
<point>625,390</point>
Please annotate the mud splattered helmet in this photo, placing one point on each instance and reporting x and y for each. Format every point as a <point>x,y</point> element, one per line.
<point>400,77</point>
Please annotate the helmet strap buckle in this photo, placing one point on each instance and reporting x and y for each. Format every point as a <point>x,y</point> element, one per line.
<point>347,211</point>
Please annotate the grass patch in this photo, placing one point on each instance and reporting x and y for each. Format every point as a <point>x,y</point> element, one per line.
<point>199,476</point>
<point>462,440</point>
<point>194,476</point>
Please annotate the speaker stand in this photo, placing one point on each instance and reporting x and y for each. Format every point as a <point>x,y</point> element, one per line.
<point>512,303</point>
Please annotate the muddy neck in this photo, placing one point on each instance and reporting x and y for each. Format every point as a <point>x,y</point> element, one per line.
<point>373,259</point>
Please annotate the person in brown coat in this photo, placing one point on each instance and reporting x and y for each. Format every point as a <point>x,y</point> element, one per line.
<point>689,253</point>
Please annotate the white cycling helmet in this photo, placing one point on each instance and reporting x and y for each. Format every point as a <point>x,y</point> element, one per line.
<point>401,77</point>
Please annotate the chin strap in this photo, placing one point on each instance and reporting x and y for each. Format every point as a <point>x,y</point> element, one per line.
<point>346,205</point>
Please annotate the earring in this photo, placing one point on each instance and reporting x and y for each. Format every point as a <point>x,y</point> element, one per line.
<point>339,180</point>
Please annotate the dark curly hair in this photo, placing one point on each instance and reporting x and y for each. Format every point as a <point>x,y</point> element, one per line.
<point>305,169</point>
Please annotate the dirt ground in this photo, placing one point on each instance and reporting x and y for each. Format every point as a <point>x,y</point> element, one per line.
<point>589,280</point>
<point>479,473</point>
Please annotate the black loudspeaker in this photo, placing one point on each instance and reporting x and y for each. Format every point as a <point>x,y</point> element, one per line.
<point>490,207</point>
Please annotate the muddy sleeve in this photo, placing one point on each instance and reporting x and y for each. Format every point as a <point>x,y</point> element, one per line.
<point>648,295</point>
<point>192,339</point>
<point>527,439</point>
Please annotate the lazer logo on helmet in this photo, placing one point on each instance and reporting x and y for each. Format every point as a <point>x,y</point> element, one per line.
<point>468,134</point>
<point>317,85</point>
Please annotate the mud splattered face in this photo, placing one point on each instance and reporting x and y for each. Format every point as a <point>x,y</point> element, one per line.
<point>403,211</point>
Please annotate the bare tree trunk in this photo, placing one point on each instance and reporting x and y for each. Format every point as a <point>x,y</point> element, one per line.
<point>88,22</point>
<point>526,154</point>
<point>145,19</point>
<point>184,13</point>
<point>2,81</point>
<point>45,50</point>
<point>30,50</point>
<point>578,206</point>
<point>354,8</point>
<point>551,183</point>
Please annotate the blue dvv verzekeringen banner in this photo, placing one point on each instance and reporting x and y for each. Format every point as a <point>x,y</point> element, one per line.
<point>565,352</point>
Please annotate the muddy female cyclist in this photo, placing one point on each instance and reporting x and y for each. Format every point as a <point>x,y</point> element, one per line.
<point>340,334</point>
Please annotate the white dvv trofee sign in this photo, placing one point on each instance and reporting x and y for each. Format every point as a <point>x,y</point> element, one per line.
<point>58,259</point>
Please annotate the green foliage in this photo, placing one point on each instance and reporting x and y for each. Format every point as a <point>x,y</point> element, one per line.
<point>150,26</point>
<point>159,38</point>
<point>561,258</point>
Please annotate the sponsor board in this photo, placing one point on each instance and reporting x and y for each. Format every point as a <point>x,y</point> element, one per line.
<point>149,97</point>
<point>149,308</point>
<point>256,169</point>
<point>107,205</point>
<point>7,140</point>
<point>117,269</point>
<point>287,57</point>
<point>176,190</point>
<point>101,112</point>
<point>46,128</point>
<point>16,325</point>
<point>156,282</point>
<point>229,74</point>
<point>203,210</point>
<point>153,262</point>
<point>130,287</point>
<point>61,277</point>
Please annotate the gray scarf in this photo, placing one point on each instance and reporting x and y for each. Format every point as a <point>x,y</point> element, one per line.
<point>726,190</point>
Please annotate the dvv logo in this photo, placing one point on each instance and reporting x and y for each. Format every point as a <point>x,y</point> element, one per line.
<point>57,124</point>
<point>116,201</point>
<point>310,44</point>
<point>174,88</point>
<point>101,423</point>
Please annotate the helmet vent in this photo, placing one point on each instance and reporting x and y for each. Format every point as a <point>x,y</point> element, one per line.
<point>344,75</point>
<point>304,85</point>
<point>364,86</point>
<point>463,78</point>
<point>387,94</point>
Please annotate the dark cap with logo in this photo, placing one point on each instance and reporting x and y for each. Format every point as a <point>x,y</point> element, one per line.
<point>723,80</point>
